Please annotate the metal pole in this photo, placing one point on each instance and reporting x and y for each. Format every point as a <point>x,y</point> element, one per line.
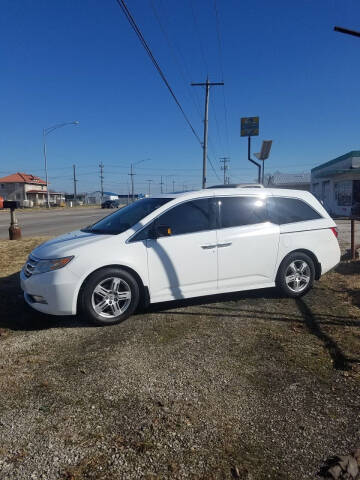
<point>149,182</point>
<point>132,182</point>
<point>75,196</point>
<point>225,161</point>
<point>173,182</point>
<point>263,170</point>
<point>102,181</point>
<point>14,229</point>
<point>253,161</point>
<point>353,251</point>
<point>46,172</point>
<point>161,185</point>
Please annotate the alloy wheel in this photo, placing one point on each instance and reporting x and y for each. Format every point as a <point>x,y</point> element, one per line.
<point>298,276</point>
<point>111,297</point>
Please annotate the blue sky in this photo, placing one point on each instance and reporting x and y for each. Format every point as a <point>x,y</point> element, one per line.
<point>79,60</point>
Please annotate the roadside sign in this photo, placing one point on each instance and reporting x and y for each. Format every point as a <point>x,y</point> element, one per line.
<point>249,126</point>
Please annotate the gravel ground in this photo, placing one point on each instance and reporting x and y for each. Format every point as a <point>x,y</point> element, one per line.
<point>250,386</point>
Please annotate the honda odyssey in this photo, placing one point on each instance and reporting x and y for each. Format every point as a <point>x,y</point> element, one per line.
<point>180,246</point>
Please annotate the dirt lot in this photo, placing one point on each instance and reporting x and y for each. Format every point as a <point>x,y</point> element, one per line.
<point>250,386</point>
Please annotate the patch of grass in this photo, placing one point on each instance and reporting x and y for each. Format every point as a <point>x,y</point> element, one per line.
<point>14,253</point>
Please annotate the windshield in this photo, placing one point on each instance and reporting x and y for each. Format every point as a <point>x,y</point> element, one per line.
<point>127,217</point>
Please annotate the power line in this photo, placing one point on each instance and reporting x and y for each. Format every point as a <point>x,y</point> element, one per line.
<point>178,59</point>
<point>136,29</point>
<point>143,42</point>
<point>221,63</point>
<point>193,97</point>
<point>199,38</point>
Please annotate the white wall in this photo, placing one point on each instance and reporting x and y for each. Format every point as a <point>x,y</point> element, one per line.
<point>330,194</point>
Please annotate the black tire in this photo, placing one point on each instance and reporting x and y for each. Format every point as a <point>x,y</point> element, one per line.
<point>299,266</point>
<point>102,303</point>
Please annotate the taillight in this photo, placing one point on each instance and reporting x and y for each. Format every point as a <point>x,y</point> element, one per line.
<point>335,231</point>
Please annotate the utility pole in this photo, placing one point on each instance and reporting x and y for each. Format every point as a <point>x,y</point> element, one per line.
<point>131,174</point>
<point>173,182</point>
<point>149,182</point>
<point>102,181</point>
<point>132,181</point>
<point>225,167</point>
<point>161,184</point>
<point>207,86</point>
<point>75,196</point>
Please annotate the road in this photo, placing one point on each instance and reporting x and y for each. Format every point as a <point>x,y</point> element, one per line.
<point>53,222</point>
<point>56,222</point>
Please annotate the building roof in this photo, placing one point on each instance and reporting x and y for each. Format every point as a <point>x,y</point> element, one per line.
<point>353,153</point>
<point>110,194</point>
<point>290,178</point>
<point>22,178</point>
<point>44,192</point>
<point>334,173</point>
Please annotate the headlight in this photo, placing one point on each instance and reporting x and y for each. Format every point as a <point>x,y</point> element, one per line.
<point>49,265</point>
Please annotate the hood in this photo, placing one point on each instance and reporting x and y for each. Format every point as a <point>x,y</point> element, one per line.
<point>67,244</point>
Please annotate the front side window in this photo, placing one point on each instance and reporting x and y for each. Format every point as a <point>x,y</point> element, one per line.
<point>239,211</point>
<point>126,217</point>
<point>290,210</point>
<point>190,217</point>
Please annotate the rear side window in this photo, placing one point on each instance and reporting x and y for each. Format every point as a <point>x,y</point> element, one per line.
<point>190,217</point>
<point>238,211</point>
<point>290,210</point>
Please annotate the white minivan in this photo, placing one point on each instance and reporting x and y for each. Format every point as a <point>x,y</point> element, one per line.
<point>185,245</point>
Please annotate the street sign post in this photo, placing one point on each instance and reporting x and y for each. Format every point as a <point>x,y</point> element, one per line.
<point>249,126</point>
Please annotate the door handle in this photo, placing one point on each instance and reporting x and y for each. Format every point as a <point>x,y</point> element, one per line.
<point>227,244</point>
<point>208,247</point>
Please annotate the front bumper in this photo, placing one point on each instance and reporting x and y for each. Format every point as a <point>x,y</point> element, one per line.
<point>59,290</point>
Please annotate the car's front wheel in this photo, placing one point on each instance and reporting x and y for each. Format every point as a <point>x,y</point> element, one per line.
<point>296,274</point>
<point>109,296</point>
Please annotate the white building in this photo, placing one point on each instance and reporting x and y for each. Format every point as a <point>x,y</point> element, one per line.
<point>337,183</point>
<point>94,198</point>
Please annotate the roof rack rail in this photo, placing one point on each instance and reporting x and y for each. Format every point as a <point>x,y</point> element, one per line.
<point>239,185</point>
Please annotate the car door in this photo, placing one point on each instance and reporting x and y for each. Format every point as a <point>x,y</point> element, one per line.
<point>184,263</point>
<point>247,243</point>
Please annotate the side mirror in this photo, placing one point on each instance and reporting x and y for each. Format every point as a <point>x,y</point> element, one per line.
<point>163,231</point>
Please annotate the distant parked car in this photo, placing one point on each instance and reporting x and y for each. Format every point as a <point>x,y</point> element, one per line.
<point>178,246</point>
<point>110,204</point>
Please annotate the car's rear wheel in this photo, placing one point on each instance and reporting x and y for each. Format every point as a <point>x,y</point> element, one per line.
<point>109,296</point>
<point>296,274</point>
